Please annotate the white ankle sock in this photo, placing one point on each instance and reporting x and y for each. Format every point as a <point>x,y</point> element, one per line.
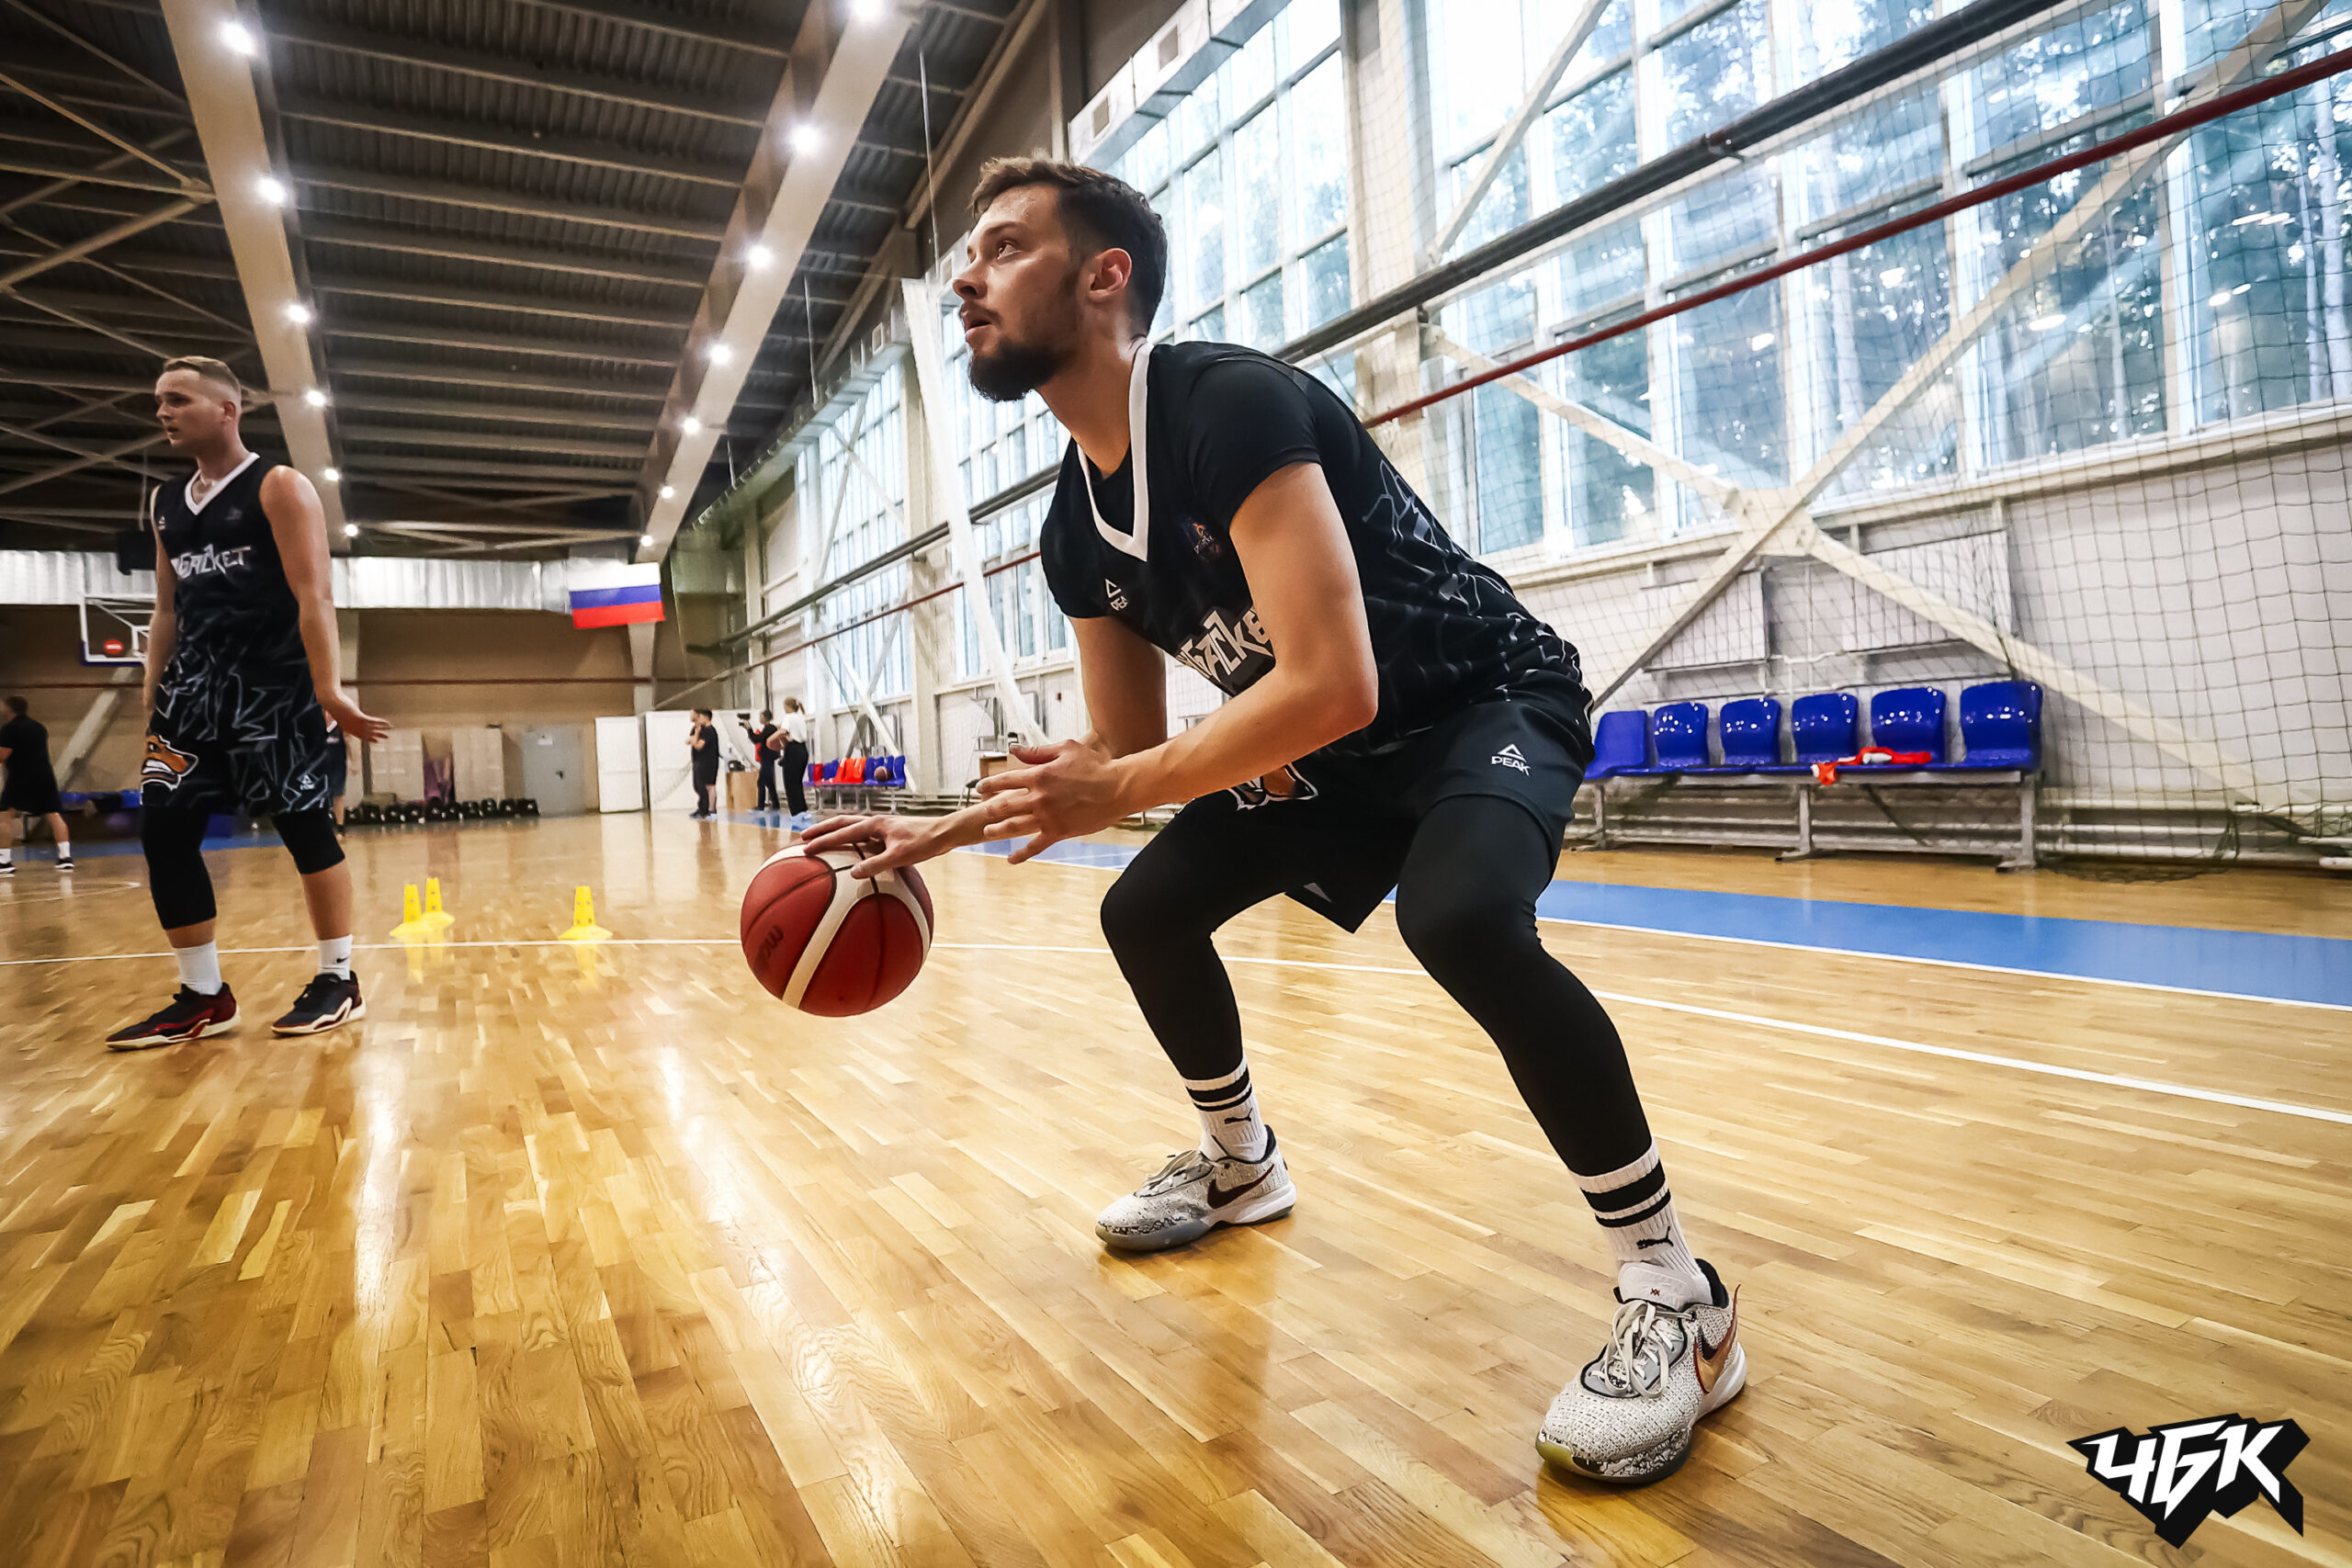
<point>1230,1124</point>
<point>335,957</point>
<point>200,968</point>
<point>6,855</point>
<point>1636,1209</point>
<point>64,849</point>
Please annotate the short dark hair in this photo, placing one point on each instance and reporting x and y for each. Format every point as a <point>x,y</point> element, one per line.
<point>1102,212</point>
<point>210,369</point>
<point>18,706</point>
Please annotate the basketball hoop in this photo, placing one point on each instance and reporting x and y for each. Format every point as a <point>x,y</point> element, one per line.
<point>114,628</point>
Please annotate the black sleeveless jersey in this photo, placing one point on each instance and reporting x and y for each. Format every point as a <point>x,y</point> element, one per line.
<point>237,639</point>
<point>1213,421</point>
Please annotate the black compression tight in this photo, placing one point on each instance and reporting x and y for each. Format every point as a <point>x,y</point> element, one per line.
<point>1465,904</point>
<point>173,838</point>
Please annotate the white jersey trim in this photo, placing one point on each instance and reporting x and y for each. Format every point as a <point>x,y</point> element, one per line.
<point>1135,542</point>
<point>188,494</point>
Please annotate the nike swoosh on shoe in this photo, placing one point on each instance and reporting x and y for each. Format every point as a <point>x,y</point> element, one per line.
<point>1219,1197</point>
<point>1709,1358</point>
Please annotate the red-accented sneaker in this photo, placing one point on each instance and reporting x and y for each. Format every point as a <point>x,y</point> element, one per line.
<point>327,1001</point>
<point>189,1015</point>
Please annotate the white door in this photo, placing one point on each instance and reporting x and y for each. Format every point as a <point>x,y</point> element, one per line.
<point>620,763</point>
<point>669,770</point>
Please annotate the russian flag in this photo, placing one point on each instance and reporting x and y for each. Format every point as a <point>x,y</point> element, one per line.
<point>618,595</point>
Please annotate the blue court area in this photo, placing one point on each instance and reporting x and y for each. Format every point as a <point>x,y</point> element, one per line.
<point>2230,962</point>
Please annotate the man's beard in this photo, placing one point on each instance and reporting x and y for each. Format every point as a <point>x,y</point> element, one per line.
<point>1016,370</point>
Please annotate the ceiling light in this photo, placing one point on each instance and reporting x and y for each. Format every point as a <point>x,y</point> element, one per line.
<point>298,314</point>
<point>2220,299</point>
<point>351,530</point>
<point>240,39</point>
<point>668,491</point>
<point>758,258</point>
<point>691,426</point>
<point>718,353</point>
<point>1893,276</point>
<point>333,475</point>
<point>2049,323</point>
<point>645,538</point>
<point>865,10</point>
<point>804,138</point>
<point>315,398</point>
<point>271,190</point>
<point>1759,343</point>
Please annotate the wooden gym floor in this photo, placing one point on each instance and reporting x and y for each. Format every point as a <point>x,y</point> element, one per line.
<point>600,1256</point>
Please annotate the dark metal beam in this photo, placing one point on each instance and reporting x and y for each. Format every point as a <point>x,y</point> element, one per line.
<point>504,300</point>
<point>99,241</point>
<point>513,70</point>
<point>95,174</point>
<point>328,230</point>
<point>505,343</point>
<point>485,470</point>
<point>498,380</point>
<point>511,410</point>
<point>495,139</point>
<point>446,193</point>
<point>492,440</point>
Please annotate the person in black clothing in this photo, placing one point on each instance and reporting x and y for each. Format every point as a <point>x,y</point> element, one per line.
<point>793,757</point>
<point>243,681</point>
<point>31,787</point>
<point>702,745</point>
<point>1420,730</point>
<point>763,746</point>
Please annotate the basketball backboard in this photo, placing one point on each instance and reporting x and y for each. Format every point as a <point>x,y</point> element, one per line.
<point>114,629</point>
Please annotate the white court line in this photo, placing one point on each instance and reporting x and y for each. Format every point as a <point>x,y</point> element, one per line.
<point>1982,1058</point>
<point>1985,1058</point>
<point>1885,957</point>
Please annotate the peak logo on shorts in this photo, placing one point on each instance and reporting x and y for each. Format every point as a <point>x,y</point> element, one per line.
<point>2177,1474</point>
<point>1116,594</point>
<point>1509,757</point>
<point>209,560</point>
<point>164,763</point>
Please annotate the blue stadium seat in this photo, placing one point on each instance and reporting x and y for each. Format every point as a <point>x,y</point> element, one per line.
<point>1750,733</point>
<point>1910,718</point>
<point>1679,730</point>
<point>1621,744</point>
<point>2001,726</point>
<point>1823,726</point>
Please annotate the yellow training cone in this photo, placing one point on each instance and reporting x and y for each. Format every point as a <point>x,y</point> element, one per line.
<point>434,916</point>
<point>583,920</point>
<point>412,923</point>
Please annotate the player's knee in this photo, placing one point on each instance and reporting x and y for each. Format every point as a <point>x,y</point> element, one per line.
<point>1145,911</point>
<point>309,838</point>
<point>1461,927</point>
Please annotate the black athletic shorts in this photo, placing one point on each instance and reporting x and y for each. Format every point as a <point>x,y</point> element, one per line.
<point>273,760</point>
<point>1341,827</point>
<point>35,796</point>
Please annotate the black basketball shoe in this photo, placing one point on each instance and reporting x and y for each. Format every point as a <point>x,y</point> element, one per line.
<point>327,1001</point>
<point>189,1015</point>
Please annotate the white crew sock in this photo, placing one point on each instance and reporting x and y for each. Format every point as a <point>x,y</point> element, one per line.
<point>7,854</point>
<point>335,957</point>
<point>1636,1209</point>
<point>64,849</point>
<point>1230,1124</point>
<point>200,968</point>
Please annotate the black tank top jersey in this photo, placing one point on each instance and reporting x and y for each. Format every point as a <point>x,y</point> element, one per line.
<point>1446,631</point>
<point>234,612</point>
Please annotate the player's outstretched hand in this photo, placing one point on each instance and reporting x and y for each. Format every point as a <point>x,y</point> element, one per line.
<point>1064,790</point>
<point>886,843</point>
<point>345,712</point>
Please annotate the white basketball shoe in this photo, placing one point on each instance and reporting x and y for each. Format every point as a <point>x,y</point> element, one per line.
<point>1628,1417</point>
<point>1193,1194</point>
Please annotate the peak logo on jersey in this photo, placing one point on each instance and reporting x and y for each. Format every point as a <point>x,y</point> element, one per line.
<point>2177,1474</point>
<point>1116,594</point>
<point>164,763</point>
<point>1204,544</point>
<point>209,560</point>
<point>1509,757</point>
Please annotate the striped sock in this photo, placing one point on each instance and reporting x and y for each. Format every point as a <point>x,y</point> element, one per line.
<point>1636,1209</point>
<point>1229,1120</point>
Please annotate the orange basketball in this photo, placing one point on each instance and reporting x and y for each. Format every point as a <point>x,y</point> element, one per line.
<point>829,944</point>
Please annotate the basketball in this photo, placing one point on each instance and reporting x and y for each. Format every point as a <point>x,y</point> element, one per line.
<point>827,944</point>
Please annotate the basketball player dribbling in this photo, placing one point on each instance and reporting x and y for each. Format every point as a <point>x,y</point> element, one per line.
<point>1420,730</point>
<point>243,681</point>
